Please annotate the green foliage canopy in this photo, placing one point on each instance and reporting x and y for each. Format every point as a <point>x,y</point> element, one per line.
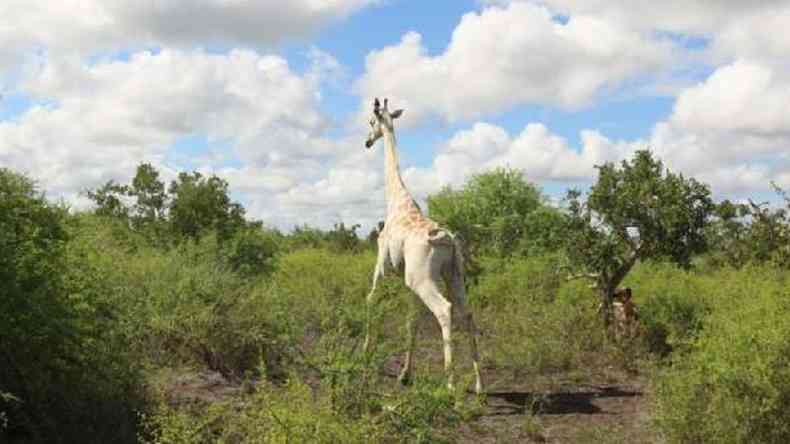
<point>636,211</point>
<point>497,212</point>
<point>202,203</point>
<point>57,361</point>
<point>191,206</point>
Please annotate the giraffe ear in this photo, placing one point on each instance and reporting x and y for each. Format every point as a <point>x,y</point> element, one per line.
<point>395,114</point>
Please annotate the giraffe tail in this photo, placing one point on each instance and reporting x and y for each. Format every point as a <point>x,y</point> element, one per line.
<point>458,256</point>
<point>440,236</point>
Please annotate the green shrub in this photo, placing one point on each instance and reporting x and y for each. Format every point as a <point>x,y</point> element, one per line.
<point>516,281</point>
<point>555,322</point>
<point>322,289</point>
<point>64,376</point>
<point>734,385</point>
<point>298,412</point>
<point>252,251</point>
<point>291,414</point>
<point>193,308</point>
<point>672,303</point>
<point>489,211</point>
<point>180,306</point>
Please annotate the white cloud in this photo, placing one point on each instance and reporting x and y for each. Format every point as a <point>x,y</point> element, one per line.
<point>681,16</point>
<point>340,191</point>
<point>501,57</point>
<point>733,129</point>
<point>735,28</point>
<point>106,118</point>
<point>89,26</point>
<point>760,34</point>
<point>743,97</point>
<point>539,154</point>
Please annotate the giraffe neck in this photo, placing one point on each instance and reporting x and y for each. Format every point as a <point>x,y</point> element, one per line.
<point>396,191</point>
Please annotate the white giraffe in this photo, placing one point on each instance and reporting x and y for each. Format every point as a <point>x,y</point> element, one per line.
<point>427,253</point>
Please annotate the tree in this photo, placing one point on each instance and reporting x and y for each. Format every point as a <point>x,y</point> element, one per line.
<point>35,320</point>
<point>201,203</point>
<point>728,235</point>
<point>146,192</point>
<point>373,237</point>
<point>58,374</point>
<point>768,236</point>
<point>339,239</point>
<point>342,238</point>
<point>109,200</point>
<point>149,193</point>
<point>491,212</point>
<point>634,212</point>
<point>192,205</point>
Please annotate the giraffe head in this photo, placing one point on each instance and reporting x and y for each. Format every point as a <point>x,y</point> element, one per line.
<point>381,121</point>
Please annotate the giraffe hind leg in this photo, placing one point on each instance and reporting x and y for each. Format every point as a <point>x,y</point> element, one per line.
<point>456,286</point>
<point>428,292</point>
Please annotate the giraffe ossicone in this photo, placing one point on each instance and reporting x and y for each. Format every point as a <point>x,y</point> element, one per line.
<point>427,253</point>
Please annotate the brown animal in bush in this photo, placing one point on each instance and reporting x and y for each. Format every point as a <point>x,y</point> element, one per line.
<point>626,315</point>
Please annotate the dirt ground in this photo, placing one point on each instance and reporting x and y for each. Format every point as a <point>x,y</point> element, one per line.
<point>553,412</point>
<point>601,405</point>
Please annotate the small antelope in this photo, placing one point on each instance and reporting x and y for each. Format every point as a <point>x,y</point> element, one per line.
<point>626,315</point>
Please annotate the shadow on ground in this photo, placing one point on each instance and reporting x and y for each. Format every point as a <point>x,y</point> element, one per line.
<point>562,403</point>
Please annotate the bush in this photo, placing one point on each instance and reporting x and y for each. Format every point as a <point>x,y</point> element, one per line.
<point>322,289</point>
<point>252,251</point>
<point>490,210</point>
<point>554,322</point>
<point>64,377</point>
<point>180,306</point>
<point>297,412</point>
<point>510,282</point>
<point>734,385</point>
<point>672,303</point>
<point>270,415</point>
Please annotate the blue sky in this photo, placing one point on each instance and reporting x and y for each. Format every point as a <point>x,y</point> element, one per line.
<point>352,39</point>
<point>274,96</point>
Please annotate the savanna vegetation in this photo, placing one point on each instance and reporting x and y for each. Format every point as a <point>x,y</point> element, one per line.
<point>166,315</point>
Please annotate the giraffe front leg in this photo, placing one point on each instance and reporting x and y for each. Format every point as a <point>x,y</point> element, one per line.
<point>368,304</point>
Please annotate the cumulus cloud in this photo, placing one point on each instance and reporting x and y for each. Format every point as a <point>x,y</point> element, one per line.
<point>734,28</point>
<point>732,130</point>
<point>696,18</point>
<point>103,119</point>
<point>90,26</point>
<point>347,188</point>
<point>742,97</point>
<point>505,56</point>
<point>515,52</point>
<point>539,154</point>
